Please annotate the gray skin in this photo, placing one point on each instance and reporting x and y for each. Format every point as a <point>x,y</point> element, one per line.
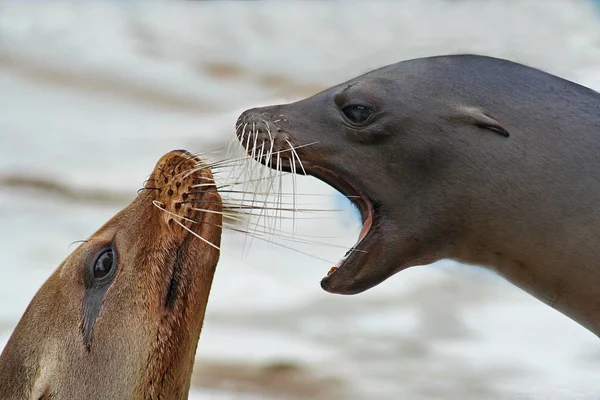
<point>470,158</point>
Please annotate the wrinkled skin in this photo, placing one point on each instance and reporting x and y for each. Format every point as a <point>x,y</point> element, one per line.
<point>134,336</point>
<point>471,158</point>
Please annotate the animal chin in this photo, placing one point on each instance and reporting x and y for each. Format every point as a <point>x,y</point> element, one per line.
<point>356,196</point>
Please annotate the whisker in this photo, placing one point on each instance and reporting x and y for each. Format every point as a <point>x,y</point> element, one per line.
<point>307,210</point>
<point>183,161</point>
<point>290,248</point>
<point>295,153</point>
<point>250,173</point>
<point>280,198</point>
<point>254,197</point>
<point>77,241</point>
<point>233,202</point>
<point>147,188</point>
<point>198,236</point>
<point>161,206</point>
<point>268,162</point>
<point>293,190</point>
<point>290,194</point>
<point>212,165</point>
<point>225,185</point>
<point>176,220</point>
<point>307,239</point>
<point>148,180</point>
<point>249,214</point>
<point>260,215</point>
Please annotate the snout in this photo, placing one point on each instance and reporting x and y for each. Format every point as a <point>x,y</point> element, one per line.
<point>261,131</point>
<point>180,185</point>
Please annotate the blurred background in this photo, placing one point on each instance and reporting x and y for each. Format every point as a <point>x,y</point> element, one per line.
<point>93,93</point>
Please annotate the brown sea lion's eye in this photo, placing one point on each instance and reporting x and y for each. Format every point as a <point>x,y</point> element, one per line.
<point>357,114</point>
<point>104,264</point>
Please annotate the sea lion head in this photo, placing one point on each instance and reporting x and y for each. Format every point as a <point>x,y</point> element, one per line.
<point>121,316</point>
<point>394,142</point>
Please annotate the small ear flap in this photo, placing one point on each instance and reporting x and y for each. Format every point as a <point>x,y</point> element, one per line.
<point>476,116</point>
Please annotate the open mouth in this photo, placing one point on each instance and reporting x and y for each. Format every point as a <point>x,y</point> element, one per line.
<point>362,202</point>
<point>356,196</point>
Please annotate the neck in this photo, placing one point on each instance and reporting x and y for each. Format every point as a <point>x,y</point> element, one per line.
<point>533,217</point>
<point>171,360</point>
<point>555,267</point>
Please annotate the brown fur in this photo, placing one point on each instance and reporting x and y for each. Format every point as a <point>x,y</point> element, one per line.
<point>140,348</point>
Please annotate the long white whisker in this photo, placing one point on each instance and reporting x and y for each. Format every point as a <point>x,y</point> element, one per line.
<point>198,236</point>
<point>306,239</point>
<point>268,160</point>
<point>295,153</point>
<point>160,206</point>
<point>284,246</point>
<point>294,190</point>
<point>260,215</point>
<point>250,173</point>
<point>289,194</point>
<point>280,198</point>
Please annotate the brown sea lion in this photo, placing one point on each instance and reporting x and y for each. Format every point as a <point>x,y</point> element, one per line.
<point>472,158</point>
<point>121,317</point>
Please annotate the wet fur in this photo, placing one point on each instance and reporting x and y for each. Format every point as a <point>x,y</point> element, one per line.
<point>139,348</point>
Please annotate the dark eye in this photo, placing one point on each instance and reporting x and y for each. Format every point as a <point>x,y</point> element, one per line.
<point>357,114</point>
<point>104,264</point>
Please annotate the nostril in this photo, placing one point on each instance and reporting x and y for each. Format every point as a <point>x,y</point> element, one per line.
<point>258,129</point>
<point>253,116</point>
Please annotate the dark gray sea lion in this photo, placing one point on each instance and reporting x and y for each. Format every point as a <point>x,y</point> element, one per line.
<point>471,158</point>
<point>120,318</point>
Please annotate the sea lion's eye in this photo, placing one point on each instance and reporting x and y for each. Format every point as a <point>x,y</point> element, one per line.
<point>100,269</point>
<point>357,114</point>
<point>104,264</point>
